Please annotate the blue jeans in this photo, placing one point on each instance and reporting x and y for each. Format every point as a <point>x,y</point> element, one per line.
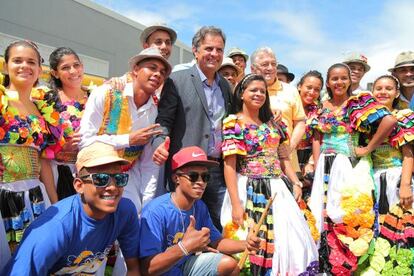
<point>214,194</point>
<point>205,264</point>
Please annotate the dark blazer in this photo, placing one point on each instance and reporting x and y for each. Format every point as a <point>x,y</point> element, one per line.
<point>183,110</point>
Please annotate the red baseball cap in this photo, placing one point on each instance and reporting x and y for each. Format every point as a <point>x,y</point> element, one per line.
<point>191,156</point>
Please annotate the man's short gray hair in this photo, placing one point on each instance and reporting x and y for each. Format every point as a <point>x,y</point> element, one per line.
<point>201,34</point>
<point>259,51</point>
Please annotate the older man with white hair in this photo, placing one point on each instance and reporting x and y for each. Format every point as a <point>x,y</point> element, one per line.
<point>283,97</point>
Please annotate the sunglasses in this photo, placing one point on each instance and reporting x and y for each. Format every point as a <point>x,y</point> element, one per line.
<point>102,180</point>
<point>195,176</point>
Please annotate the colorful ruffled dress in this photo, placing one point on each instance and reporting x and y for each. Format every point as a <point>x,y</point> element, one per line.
<point>392,251</point>
<point>70,114</point>
<point>287,247</point>
<point>22,196</point>
<point>304,148</point>
<point>342,193</point>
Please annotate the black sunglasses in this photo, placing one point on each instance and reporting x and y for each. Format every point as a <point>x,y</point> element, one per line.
<point>195,176</point>
<point>102,180</point>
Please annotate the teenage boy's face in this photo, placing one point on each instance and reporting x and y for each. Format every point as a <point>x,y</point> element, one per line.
<point>193,190</point>
<point>99,202</point>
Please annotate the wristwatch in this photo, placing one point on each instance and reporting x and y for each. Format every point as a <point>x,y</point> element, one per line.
<point>298,183</point>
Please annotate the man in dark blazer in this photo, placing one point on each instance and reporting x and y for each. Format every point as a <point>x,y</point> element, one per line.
<point>191,111</point>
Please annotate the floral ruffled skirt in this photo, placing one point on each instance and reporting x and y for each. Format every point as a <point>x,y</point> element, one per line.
<point>287,247</point>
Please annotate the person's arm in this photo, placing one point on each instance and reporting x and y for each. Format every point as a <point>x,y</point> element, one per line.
<point>46,177</point>
<point>316,147</point>
<point>298,118</point>
<point>406,193</point>
<point>297,134</point>
<point>230,176</point>
<point>290,173</point>
<point>167,109</point>
<point>193,241</point>
<point>92,120</point>
<point>162,262</point>
<point>133,267</point>
<point>385,127</point>
<point>230,247</point>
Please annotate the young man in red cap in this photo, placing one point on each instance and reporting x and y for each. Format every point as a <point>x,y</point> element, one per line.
<point>177,226</point>
<point>75,235</point>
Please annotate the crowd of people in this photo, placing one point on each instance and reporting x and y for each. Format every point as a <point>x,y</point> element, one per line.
<point>185,170</point>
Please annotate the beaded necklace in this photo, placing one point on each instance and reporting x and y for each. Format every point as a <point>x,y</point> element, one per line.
<point>179,210</point>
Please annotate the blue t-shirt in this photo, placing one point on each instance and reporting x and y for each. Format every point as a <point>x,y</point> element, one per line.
<point>162,226</point>
<point>65,240</point>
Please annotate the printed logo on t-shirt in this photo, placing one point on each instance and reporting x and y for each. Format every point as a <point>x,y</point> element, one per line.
<point>86,263</point>
<point>173,240</point>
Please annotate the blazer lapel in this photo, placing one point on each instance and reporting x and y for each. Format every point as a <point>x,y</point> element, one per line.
<point>199,87</point>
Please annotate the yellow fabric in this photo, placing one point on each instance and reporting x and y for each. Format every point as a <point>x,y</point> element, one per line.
<point>286,98</point>
<point>20,163</point>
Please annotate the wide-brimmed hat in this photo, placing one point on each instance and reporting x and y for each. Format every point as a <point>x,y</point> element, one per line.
<point>237,51</point>
<point>229,62</point>
<point>150,53</point>
<point>191,156</point>
<point>357,58</point>
<point>281,69</point>
<point>98,154</point>
<point>403,59</point>
<point>158,26</point>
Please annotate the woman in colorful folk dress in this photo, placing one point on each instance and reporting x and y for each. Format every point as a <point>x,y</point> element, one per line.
<point>70,96</point>
<point>341,198</point>
<point>393,163</point>
<point>24,134</point>
<point>255,150</point>
<point>309,87</point>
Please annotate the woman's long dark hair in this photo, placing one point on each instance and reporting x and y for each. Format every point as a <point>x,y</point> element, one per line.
<point>54,60</point>
<point>265,113</point>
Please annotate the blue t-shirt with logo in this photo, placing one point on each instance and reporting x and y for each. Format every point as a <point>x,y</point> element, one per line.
<point>163,225</point>
<point>65,240</point>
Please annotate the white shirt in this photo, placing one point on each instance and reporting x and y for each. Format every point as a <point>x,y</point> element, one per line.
<point>144,173</point>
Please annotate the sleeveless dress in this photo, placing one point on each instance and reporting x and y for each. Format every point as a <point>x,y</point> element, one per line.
<point>342,194</point>
<point>287,247</point>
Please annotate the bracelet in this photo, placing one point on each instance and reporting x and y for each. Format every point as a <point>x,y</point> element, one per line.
<point>183,249</point>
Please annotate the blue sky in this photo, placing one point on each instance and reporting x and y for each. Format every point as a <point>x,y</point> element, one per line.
<point>304,34</point>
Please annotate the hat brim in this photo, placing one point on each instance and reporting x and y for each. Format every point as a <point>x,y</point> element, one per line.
<point>139,58</point>
<point>149,30</point>
<point>207,163</point>
<point>238,70</point>
<point>104,160</point>
<point>290,76</point>
<point>408,64</point>
<point>246,57</point>
<point>366,66</point>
